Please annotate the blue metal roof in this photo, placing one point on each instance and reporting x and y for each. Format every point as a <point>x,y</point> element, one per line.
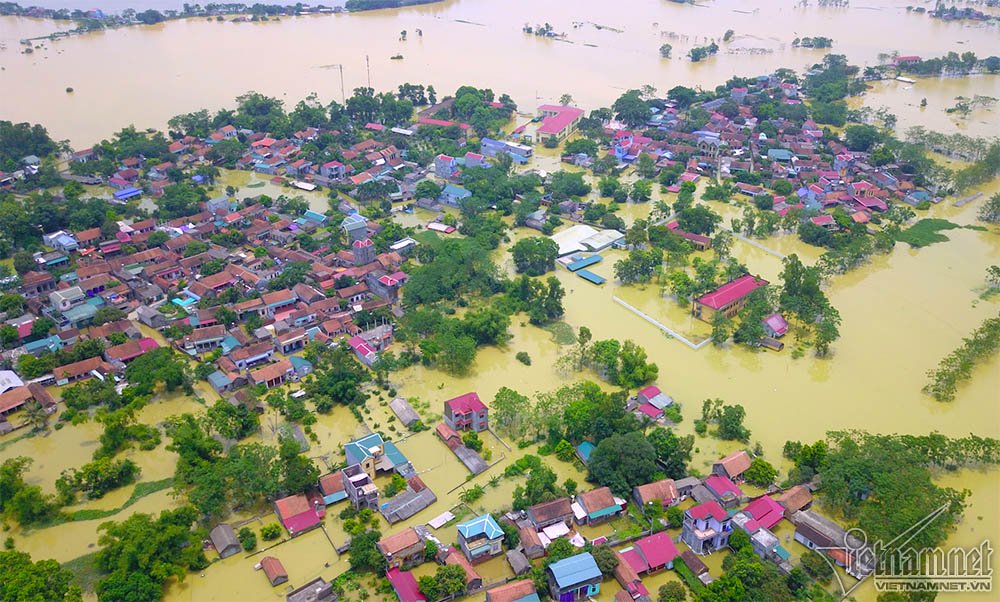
<point>127,193</point>
<point>218,380</point>
<point>481,525</point>
<point>585,262</point>
<point>360,449</point>
<point>585,449</point>
<point>591,277</point>
<point>575,570</point>
<point>456,191</point>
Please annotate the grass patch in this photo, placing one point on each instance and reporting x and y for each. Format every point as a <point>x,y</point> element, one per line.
<point>85,571</point>
<point>141,490</point>
<point>562,333</point>
<point>926,232</point>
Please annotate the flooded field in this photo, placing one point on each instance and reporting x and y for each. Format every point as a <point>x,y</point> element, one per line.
<point>606,51</point>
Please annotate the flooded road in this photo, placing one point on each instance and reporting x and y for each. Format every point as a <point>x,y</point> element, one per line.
<point>145,75</point>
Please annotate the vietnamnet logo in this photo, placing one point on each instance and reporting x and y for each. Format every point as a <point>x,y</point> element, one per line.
<point>896,566</point>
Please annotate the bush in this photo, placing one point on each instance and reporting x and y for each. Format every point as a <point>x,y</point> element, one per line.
<point>523,357</point>
<point>248,539</point>
<point>270,532</point>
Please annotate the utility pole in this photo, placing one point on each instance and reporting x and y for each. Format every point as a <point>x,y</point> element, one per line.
<point>368,66</point>
<point>343,97</point>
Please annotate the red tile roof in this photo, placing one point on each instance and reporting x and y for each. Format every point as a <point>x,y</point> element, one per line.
<point>462,404</point>
<point>405,585</point>
<point>707,509</point>
<point>732,291</point>
<point>558,122</point>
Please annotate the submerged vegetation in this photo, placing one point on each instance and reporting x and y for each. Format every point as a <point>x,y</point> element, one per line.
<point>959,364</point>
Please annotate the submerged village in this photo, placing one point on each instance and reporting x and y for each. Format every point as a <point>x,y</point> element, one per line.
<point>270,273</point>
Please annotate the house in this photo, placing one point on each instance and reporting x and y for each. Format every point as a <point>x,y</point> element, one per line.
<point>453,195</point>
<point>363,351</point>
<point>628,578</point>
<point>728,299</point>
<point>515,591</point>
<point>64,299</point>
<point>224,540</point>
<point>466,412</point>
<point>518,562</point>
<point>445,167</point>
<point>273,570</point>
<point>150,317</point>
<point>765,511</point>
<point>706,528</point>
<point>205,339</point>
<point>558,121</point>
<point>574,578</point>
<point>360,488</point>
<point>402,550</point>
<point>375,455</point>
<point>297,514</point>
<point>723,490</point>
<point>797,498</point>
<point>15,398</point>
<point>846,550</point>
<point>584,450</point>
<point>480,538</point>
<point>82,370</point>
<point>473,580</point>
<point>129,350</point>
<point>654,397</point>
<point>775,325</point>
<point>665,492</point>
<point>597,506</point>
<point>531,543</point>
<point>273,375</point>
<point>404,411</point>
<point>332,487</point>
<point>651,554</point>
<point>551,512</point>
<point>732,466</point>
<point>696,566</point>
<point>405,586</point>
<point>406,504</point>
<point>317,590</point>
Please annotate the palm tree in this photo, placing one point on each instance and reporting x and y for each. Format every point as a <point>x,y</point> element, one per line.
<point>37,416</point>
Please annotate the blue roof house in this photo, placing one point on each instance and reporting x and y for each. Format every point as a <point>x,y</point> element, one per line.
<point>452,195</point>
<point>480,538</point>
<point>374,454</point>
<point>584,450</point>
<point>574,578</point>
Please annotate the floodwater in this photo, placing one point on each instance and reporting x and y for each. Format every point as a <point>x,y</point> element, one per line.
<point>145,75</point>
<point>901,313</point>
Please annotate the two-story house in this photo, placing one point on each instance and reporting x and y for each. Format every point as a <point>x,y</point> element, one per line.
<point>361,490</point>
<point>480,538</point>
<point>466,412</point>
<point>402,550</point>
<point>706,528</point>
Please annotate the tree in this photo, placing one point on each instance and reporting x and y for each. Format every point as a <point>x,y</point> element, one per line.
<point>41,580</point>
<point>248,539</point>
<point>623,461</point>
<point>989,212</point>
<point>682,95</point>
<point>631,109</point>
<point>142,545</point>
<point>816,566</point>
<point>535,255</point>
<point>120,586</point>
<point>672,591</point>
<point>606,559</point>
<point>666,50</point>
<point>672,452</point>
<point>731,423</point>
<point>363,555</point>
<point>447,581</point>
<point>760,473</point>
<point>510,412</point>
<point>24,262</point>
<point>861,137</point>
<point>427,189</point>
<point>699,220</point>
<point>299,472</point>
<point>108,314</point>
<point>42,327</point>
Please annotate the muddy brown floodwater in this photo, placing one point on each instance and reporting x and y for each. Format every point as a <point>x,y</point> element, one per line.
<point>145,75</point>
<point>901,313</point>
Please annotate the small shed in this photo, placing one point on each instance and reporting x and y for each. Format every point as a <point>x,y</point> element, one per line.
<point>224,540</point>
<point>274,570</point>
<point>404,411</point>
<point>519,563</point>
